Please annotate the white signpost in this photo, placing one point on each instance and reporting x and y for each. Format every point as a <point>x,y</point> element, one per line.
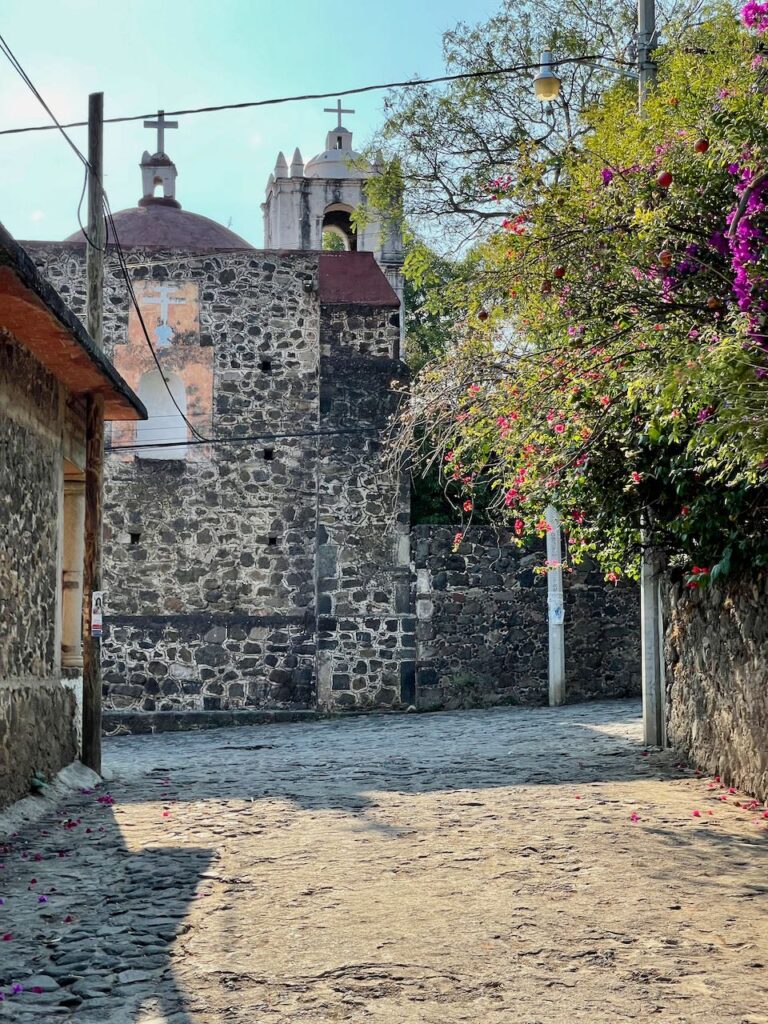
<point>556,608</point>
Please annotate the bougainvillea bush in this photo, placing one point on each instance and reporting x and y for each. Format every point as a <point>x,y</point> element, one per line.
<point>614,360</point>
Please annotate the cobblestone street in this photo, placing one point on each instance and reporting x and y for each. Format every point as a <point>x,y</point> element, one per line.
<point>519,866</point>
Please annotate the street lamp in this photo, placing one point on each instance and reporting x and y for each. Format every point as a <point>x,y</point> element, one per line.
<point>546,84</point>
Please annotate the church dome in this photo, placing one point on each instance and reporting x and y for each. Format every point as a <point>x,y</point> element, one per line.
<point>158,223</point>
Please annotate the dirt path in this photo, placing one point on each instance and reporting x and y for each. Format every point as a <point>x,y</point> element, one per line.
<point>475,866</point>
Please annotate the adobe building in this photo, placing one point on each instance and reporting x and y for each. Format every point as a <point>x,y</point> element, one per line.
<point>49,367</point>
<point>258,550</point>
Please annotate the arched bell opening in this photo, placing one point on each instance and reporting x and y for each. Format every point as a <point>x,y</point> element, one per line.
<point>337,221</point>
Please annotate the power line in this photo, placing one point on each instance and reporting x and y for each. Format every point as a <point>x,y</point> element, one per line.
<point>16,64</point>
<point>409,84</point>
<point>244,439</point>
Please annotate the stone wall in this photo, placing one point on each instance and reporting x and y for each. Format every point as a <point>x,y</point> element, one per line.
<point>36,712</point>
<point>366,629</point>
<point>247,574</point>
<point>482,635</point>
<point>716,654</point>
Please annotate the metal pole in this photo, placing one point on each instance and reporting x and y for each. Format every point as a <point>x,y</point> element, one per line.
<point>646,44</point>
<point>555,608</point>
<point>94,439</point>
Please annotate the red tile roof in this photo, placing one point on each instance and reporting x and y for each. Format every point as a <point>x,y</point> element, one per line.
<point>354,279</point>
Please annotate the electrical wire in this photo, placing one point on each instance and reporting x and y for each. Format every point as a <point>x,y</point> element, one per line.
<point>15,63</point>
<point>244,439</point>
<point>409,84</point>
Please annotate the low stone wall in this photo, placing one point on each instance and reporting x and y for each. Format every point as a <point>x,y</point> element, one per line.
<point>716,653</point>
<point>482,634</point>
<point>208,662</point>
<point>37,734</point>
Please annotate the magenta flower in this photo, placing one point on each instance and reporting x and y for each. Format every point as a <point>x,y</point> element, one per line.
<point>607,175</point>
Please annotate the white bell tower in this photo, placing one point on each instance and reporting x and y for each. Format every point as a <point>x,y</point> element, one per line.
<point>307,200</point>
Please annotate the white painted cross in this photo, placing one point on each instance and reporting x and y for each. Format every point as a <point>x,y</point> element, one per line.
<point>163,300</point>
<point>338,110</point>
<point>161,124</point>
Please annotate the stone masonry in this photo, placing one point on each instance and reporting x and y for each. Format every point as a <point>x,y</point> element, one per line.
<point>482,635</point>
<point>226,569</point>
<point>37,732</point>
<point>716,653</point>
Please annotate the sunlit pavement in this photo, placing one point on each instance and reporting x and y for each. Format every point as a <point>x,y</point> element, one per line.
<point>519,866</point>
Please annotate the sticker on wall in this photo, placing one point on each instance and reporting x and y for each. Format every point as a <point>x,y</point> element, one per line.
<point>97,612</point>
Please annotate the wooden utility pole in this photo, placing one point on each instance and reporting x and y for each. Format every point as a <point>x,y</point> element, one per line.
<point>94,438</point>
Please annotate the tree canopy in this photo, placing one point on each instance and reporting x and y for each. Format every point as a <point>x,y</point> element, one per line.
<point>610,350</point>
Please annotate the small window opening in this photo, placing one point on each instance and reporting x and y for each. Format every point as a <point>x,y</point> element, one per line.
<point>272,542</point>
<point>338,142</point>
<point>135,538</point>
<point>269,454</point>
<point>266,366</point>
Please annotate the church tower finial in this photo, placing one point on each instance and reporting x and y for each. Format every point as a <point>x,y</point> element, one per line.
<point>159,169</point>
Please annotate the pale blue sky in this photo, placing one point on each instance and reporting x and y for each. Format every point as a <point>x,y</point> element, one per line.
<point>145,54</point>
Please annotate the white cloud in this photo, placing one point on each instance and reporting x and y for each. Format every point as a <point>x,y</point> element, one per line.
<point>37,215</point>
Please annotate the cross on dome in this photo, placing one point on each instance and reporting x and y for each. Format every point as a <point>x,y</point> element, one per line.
<point>338,110</point>
<point>161,124</point>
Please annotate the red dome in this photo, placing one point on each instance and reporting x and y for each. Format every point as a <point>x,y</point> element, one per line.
<point>163,224</point>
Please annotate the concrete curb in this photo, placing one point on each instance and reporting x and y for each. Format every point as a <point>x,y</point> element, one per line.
<point>133,723</point>
<point>31,808</point>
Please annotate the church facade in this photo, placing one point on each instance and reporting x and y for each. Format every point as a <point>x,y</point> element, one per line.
<point>257,550</point>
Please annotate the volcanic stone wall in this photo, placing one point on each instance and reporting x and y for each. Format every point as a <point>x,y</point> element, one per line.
<point>36,711</point>
<point>716,654</point>
<point>482,634</point>
<point>209,559</point>
<point>226,569</point>
<point>366,629</point>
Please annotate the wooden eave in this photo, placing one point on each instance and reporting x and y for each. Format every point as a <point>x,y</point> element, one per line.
<point>36,315</point>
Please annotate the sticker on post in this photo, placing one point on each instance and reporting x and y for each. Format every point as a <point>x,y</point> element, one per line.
<point>97,612</point>
<point>556,614</point>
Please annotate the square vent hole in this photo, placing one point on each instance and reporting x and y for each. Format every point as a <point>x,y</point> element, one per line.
<point>272,542</point>
<point>266,366</point>
<point>269,454</point>
<point>134,538</point>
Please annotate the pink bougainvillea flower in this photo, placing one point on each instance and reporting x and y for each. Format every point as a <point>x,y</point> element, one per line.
<point>68,919</point>
<point>607,175</point>
<point>612,577</point>
<point>559,428</point>
<point>634,816</point>
<point>7,936</point>
<point>605,400</point>
<point>519,526</point>
<point>467,506</point>
<point>42,899</point>
<point>697,814</point>
<point>457,539</point>
<point>37,989</point>
<point>636,477</point>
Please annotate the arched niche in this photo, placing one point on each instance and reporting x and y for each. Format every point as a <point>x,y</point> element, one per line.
<point>337,219</point>
<point>166,425</point>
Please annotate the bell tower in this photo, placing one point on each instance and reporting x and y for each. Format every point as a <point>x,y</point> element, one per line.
<point>310,204</point>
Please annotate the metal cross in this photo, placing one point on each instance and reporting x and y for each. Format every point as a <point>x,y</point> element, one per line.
<point>338,110</point>
<point>161,124</point>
